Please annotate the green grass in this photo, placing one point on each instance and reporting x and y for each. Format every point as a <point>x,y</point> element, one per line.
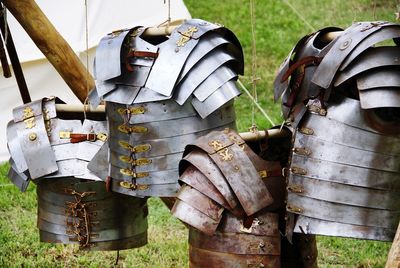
<point>277,29</point>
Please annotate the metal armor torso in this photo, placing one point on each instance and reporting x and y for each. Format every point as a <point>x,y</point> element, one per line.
<point>73,204</point>
<point>160,97</point>
<point>344,171</point>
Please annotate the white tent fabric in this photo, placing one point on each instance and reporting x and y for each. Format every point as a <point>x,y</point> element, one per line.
<point>69,18</point>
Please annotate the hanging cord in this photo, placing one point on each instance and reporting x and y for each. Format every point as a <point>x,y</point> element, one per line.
<point>255,103</point>
<point>86,102</point>
<point>299,15</point>
<point>254,77</point>
<point>168,21</point>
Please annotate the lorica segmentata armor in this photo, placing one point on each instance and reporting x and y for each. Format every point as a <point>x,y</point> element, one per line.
<point>73,204</point>
<point>160,95</point>
<point>343,177</point>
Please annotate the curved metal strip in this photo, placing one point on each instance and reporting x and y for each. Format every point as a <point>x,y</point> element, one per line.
<point>216,100</point>
<point>103,209</point>
<point>387,31</point>
<point>373,57</point>
<point>164,75</point>
<point>158,177</point>
<point>205,165</point>
<point>87,150</point>
<point>194,178</point>
<point>339,133</point>
<point>342,213</point>
<point>333,152</point>
<point>281,86</point>
<point>124,94</point>
<point>163,162</point>
<point>14,148</point>
<point>137,77</point>
<point>69,167</point>
<point>343,194</point>
<point>148,112</point>
<point>206,258</point>
<point>214,82</point>
<point>194,217</point>
<point>108,55</point>
<point>252,193</point>
<point>347,174</point>
<point>120,244</point>
<point>146,95</point>
<point>264,224</point>
<point>200,202</point>
<point>95,224</point>
<point>59,125</point>
<point>94,98</point>
<point>173,127</point>
<point>200,72</point>
<point>380,97</point>
<point>344,45</point>
<point>320,227</point>
<point>18,179</point>
<point>206,44</point>
<point>98,236</point>
<point>379,78</point>
<point>103,88</point>
<point>162,146</point>
<point>33,139</point>
<point>98,165</point>
<point>145,190</point>
<point>236,243</point>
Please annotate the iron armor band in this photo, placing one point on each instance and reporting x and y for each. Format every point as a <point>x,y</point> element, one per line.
<point>71,210</point>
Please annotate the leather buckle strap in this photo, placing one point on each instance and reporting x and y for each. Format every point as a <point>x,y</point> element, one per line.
<point>76,137</point>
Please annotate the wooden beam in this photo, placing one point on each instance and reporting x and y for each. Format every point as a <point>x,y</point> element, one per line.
<point>52,45</point>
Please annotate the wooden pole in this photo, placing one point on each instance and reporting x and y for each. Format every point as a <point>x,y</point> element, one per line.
<point>393,260</point>
<point>52,45</point>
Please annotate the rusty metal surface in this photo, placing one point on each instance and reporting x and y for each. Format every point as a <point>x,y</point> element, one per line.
<point>194,178</point>
<point>77,211</point>
<point>121,244</point>
<point>205,258</point>
<point>200,202</point>
<point>236,243</point>
<point>189,215</point>
<point>206,166</point>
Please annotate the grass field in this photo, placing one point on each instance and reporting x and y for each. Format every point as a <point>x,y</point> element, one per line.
<point>277,29</point>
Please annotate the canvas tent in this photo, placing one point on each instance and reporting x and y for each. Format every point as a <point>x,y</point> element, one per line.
<point>69,18</point>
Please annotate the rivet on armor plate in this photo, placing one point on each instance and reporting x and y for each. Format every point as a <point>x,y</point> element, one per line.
<point>186,36</point>
<point>302,151</point>
<point>293,208</point>
<point>32,136</point>
<point>295,188</point>
<point>298,171</point>
<point>306,131</point>
<point>345,44</point>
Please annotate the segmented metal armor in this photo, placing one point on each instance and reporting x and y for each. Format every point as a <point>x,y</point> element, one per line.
<point>229,198</point>
<point>342,100</point>
<point>73,205</point>
<point>161,93</point>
